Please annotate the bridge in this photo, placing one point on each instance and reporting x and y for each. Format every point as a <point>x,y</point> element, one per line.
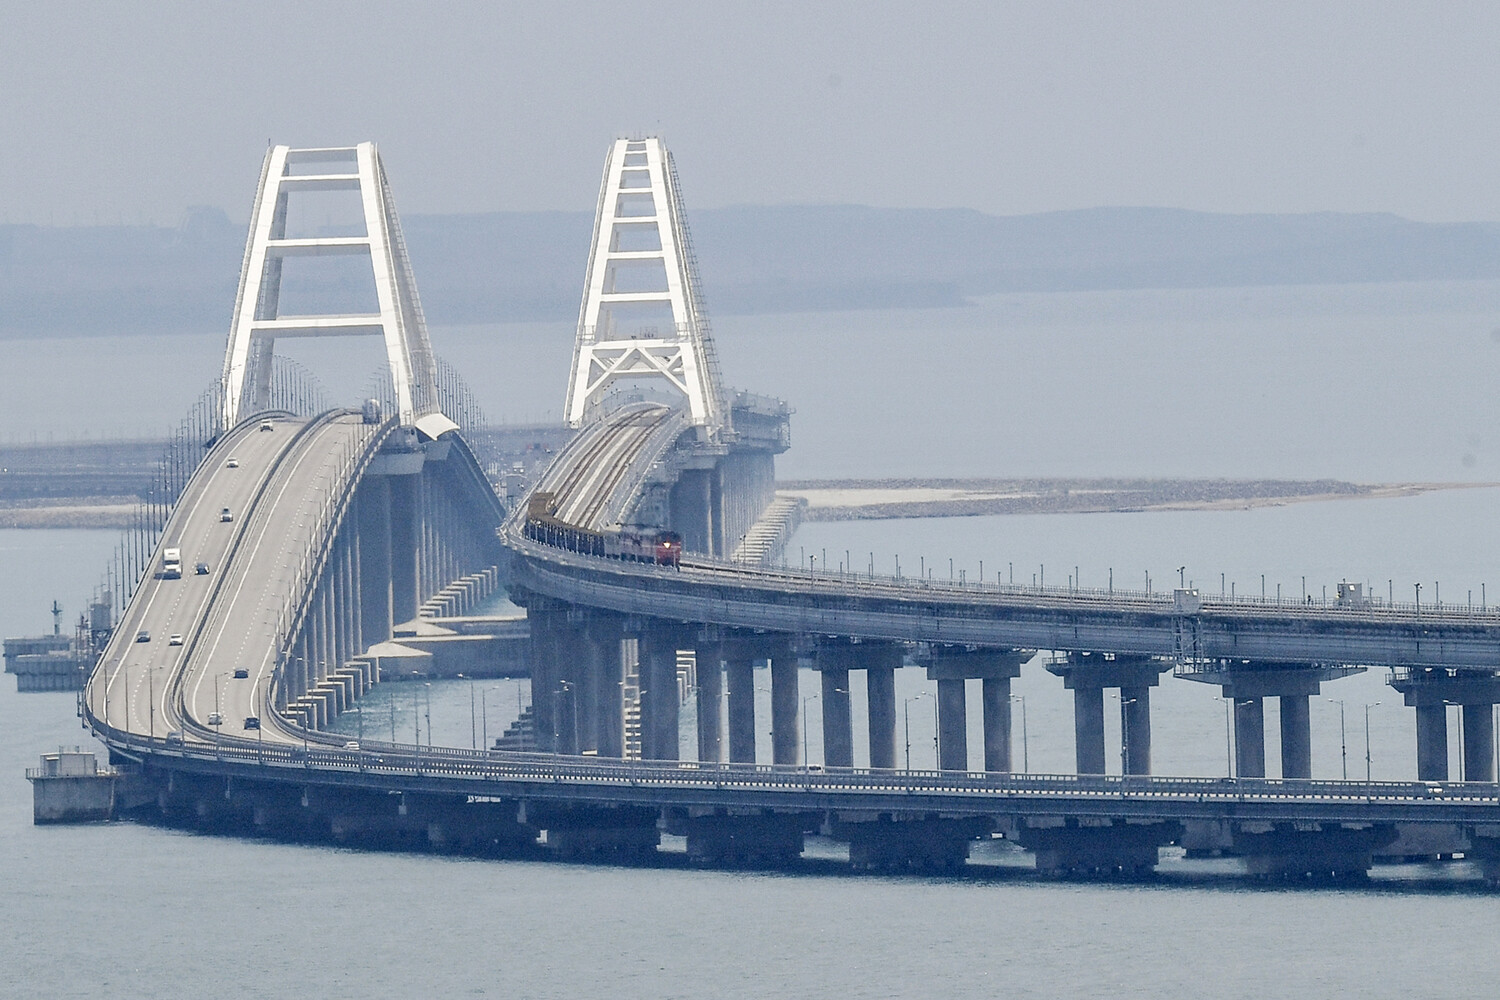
<point>309,540</point>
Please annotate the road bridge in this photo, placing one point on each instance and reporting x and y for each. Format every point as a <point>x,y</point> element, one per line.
<point>341,525</point>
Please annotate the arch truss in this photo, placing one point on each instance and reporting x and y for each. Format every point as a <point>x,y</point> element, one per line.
<point>642,314</point>
<point>258,317</point>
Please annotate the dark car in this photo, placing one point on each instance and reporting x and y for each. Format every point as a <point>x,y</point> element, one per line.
<point>143,636</point>
<point>202,569</point>
<point>251,722</point>
<point>240,673</point>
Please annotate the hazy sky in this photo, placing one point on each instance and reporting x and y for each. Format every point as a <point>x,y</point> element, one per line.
<point>130,112</point>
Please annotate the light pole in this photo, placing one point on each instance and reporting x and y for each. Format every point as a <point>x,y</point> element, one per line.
<point>1124,736</point>
<point>428,696</point>
<point>1368,706</point>
<point>1025,743</point>
<point>1228,739</point>
<point>473,718</point>
<point>805,700</point>
<point>1343,741</point>
<point>906,711</point>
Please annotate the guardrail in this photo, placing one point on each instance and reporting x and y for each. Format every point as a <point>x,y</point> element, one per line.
<point>498,766</point>
<point>863,585</point>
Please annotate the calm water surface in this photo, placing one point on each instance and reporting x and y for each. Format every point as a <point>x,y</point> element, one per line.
<point>1377,382</point>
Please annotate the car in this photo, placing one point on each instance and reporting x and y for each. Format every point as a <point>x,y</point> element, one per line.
<point>144,635</point>
<point>225,515</point>
<point>201,569</point>
<point>266,425</point>
<point>252,722</point>
<point>175,639</point>
<point>215,719</point>
<point>352,745</point>
<point>175,736</point>
<point>240,673</point>
<point>233,462</point>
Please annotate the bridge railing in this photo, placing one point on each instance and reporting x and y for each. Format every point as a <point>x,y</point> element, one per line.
<point>496,766</point>
<point>863,584</point>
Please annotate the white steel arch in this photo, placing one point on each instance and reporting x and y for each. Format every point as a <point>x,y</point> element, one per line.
<point>642,314</point>
<point>258,321</point>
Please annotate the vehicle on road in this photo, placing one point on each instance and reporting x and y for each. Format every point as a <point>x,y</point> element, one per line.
<point>215,719</point>
<point>266,425</point>
<point>171,563</point>
<point>233,462</point>
<point>175,736</point>
<point>251,722</point>
<point>175,639</point>
<point>202,569</point>
<point>240,673</point>
<point>225,515</point>
<point>352,745</point>
<point>144,635</point>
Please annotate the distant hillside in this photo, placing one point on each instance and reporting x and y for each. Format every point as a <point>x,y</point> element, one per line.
<point>505,266</point>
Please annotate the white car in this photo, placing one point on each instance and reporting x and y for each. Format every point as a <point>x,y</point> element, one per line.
<point>233,462</point>
<point>215,719</point>
<point>175,639</point>
<point>352,745</point>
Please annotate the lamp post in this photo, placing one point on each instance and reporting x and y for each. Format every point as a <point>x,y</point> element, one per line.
<point>906,712</point>
<point>428,686</point>
<point>1343,741</point>
<point>1228,739</point>
<point>1368,706</point>
<point>1025,743</point>
<point>805,699</point>
<point>1124,735</point>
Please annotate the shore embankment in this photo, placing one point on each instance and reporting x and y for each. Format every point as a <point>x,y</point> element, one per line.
<point>867,499</point>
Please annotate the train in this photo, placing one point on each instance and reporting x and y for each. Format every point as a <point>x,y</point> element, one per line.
<point>634,544</point>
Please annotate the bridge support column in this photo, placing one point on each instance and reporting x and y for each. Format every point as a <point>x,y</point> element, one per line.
<point>784,694</point>
<point>1430,692</point>
<point>1088,729</point>
<point>660,716</point>
<point>838,726</point>
<point>953,726</point>
<point>406,521</point>
<point>1087,675</point>
<point>1296,736</point>
<point>1250,737</point>
<point>710,703</point>
<point>740,672</point>
<point>547,622</point>
<point>374,522</point>
<point>880,676</point>
<point>603,633</point>
<point>1479,742</point>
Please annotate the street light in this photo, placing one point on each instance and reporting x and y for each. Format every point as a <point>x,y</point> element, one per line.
<point>1124,735</point>
<point>1368,706</point>
<point>1228,739</point>
<point>1025,743</point>
<point>906,711</point>
<point>1343,741</point>
<point>805,699</point>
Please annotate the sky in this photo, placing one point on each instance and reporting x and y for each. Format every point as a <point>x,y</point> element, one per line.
<point>132,112</point>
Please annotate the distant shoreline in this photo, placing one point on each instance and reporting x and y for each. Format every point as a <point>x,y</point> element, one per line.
<point>852,500</point>
<point>886,499</point>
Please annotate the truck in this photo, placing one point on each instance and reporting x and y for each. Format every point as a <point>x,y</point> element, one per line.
<point>171,563</point>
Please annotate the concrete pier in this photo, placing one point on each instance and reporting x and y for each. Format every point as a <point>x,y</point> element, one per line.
<point>740,673</point>
<point>838,728</point>
<point>784,694</point>
<point>881,695</point>
<point>1430,692</point>
<point>1248,683</point>
<point>951,666</point>
<point>660,720</point>
<point>710,701</point>
<point>1087,675</point>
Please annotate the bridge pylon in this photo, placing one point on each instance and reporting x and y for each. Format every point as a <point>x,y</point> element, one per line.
<point>258,320</point>
<point>642,315</point>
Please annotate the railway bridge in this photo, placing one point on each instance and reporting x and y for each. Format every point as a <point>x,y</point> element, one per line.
<point>322,533</point>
